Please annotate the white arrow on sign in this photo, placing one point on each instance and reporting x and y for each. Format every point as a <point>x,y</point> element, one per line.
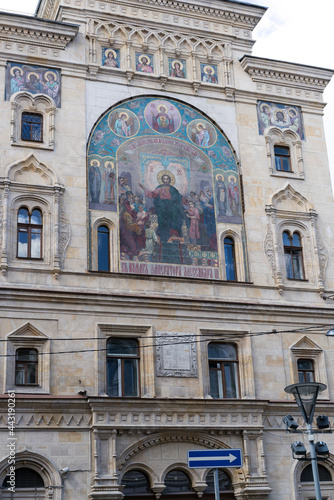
<point>230,458</point>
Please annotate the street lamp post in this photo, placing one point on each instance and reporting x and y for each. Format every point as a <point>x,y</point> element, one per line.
<point>306,397</point>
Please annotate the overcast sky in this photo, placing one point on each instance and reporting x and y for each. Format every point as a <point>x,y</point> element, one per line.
<point>299,31</point>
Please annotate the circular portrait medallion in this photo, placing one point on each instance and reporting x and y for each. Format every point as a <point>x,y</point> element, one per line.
<point>162,116</point>
<point>123,122</point>
<point>202,133</point>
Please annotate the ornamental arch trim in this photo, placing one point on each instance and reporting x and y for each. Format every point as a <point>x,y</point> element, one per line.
<point>162,438</point>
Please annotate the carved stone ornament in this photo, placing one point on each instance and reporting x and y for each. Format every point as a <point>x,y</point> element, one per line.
<point>64,233</point>
<point>176,354</point>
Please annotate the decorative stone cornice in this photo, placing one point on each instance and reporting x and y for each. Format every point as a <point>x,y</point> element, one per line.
<point>33,31</point>
<point>238,14</point>
<point>273,72</point>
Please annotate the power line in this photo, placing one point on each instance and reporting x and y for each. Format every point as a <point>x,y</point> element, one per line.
<point>198,339</point>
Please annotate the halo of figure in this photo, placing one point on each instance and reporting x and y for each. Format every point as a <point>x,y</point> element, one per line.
<point>111,59</point>
<point>177,69</point>
<point>144,64</point>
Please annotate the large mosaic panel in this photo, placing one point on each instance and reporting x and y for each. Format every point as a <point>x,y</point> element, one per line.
<point>279,115</point>
<point>171,176</point>
<point>34,79</point>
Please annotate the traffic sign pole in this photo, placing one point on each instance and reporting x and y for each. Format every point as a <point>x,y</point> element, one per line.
<point>216,483</point>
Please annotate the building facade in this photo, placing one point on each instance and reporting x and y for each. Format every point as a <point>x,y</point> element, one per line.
<point>166,239</point>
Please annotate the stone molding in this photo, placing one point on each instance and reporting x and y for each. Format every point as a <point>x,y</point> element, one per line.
<point>241,16</point>
<point>288,74</point>
<point>21,29</point>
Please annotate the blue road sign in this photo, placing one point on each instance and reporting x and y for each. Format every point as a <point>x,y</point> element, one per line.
<point>214,458</point>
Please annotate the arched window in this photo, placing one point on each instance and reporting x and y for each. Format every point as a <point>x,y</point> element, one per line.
<point>29,233</point>
<point>223,370</point>
<point>229,252</point>
<point>177,481</point>
<point>293,254</point>
<point>307,474</point>
<point>103,248</point>
<point>136,483</point>
<point>305,370</point>
<point>25,478</point>
<point>282,158</point>
<point>26,366</point>
<point>223,479</point>
<point>32,127</point>
<point>122,367</point>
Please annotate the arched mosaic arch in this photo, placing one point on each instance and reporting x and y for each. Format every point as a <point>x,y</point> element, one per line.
<point>170,176</point>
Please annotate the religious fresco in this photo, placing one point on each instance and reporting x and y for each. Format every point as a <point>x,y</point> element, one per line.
<point>279,115</point>
<point>33,79</point>
<point>144,63</point>
<point>171,176</point>
<point>111,58</point>
<point>209,73</point>
<point>177,68</point>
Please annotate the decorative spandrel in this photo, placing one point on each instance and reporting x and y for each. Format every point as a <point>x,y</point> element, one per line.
<point>171,175</point>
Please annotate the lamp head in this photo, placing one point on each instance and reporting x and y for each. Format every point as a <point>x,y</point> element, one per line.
<point>321,448</point>
<point>306,396</point>
<point>298,449</point>
<point>323,422</point>
<point>290,422</point>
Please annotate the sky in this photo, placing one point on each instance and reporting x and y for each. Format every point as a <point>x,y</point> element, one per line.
<point>298,31</point>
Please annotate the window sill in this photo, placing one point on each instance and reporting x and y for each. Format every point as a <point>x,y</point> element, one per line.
<point>298,280</point>
<point>33,144</point>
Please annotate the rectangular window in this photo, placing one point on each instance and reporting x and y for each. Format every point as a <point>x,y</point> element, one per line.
<point>223,371</point>
<point>26,363</point>
<point>32,127</point>
<point>122,367</point>
<point>282,158</point>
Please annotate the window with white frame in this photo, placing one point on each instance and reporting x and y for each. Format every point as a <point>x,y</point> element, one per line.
<point>284,152</point>
<point>33,120</point>
<point>27,367</point>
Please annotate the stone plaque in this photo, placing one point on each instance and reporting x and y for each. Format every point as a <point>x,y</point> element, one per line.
<point>176,354</point>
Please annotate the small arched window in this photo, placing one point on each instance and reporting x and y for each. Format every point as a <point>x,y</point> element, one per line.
<point>122,367</point>
<point>224,481</point>
<point>29,233</point>
<point>293,254</point>
<point>305,370</point>
<point>136,483</point>
<point>282,158</point>
<point>26,366</point>
<point>25,478</point>
<point>103,248</point>
<point>32,127</point>
<point>177,481</point>
<point>229,251</point>
<point>223,370</point>
<point>307,474</point>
